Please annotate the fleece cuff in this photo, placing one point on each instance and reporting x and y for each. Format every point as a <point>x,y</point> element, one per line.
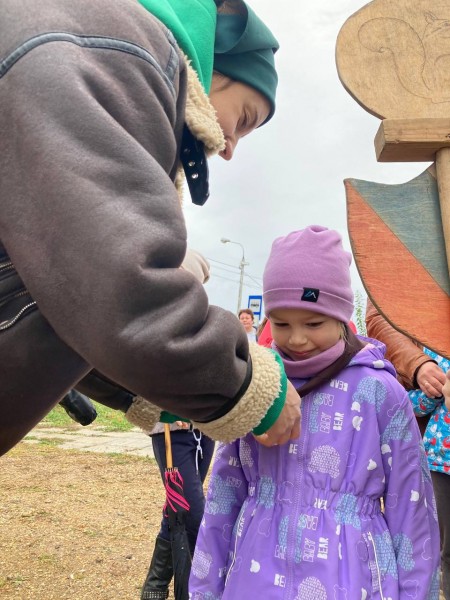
<point>267,388</point>
<point>143,414</point>
<point>274,411</point>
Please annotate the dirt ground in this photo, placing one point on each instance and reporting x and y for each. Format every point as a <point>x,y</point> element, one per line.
<point>76,524</point>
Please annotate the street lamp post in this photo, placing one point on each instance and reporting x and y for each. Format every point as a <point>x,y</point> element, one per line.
<point>242,266</point>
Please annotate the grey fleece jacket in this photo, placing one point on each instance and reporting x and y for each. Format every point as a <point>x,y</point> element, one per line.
<point>93,101</point>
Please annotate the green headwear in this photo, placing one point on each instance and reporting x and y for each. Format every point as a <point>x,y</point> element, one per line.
<point>193,24</point>
<point>243,47</point>
<point>244,51</point>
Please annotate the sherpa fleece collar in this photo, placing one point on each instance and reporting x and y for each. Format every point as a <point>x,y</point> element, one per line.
<point>201,119</point>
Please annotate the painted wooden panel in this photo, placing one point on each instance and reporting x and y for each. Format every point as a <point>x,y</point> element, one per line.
<point>398,244</point>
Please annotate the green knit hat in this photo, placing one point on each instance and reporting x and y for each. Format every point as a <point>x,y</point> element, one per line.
<point>244,51</point>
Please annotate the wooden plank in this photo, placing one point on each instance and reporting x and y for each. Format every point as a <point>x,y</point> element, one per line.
<point>411,140</point>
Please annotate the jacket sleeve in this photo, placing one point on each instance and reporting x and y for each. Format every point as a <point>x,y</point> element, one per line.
<point>402,352</point>
<point>227,491</point>
<point>91,219</point>
<point>410,508</point>
<point>422,405</point>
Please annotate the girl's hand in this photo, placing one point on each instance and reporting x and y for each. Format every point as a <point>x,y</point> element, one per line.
<point>287,426</point>
<point>183,424</point>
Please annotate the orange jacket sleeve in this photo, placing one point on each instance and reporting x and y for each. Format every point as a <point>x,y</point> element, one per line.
<point>405,354</point>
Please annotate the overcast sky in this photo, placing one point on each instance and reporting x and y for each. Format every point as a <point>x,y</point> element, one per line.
<point>289,174</point>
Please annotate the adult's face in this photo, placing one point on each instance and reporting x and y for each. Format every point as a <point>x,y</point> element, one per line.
<point>246,321</point>
<point>240,109</point>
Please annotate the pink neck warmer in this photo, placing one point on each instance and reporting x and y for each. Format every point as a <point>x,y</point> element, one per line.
<point>304,369</point>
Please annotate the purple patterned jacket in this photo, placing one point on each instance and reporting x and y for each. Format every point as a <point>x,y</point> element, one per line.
<point>304,521</point>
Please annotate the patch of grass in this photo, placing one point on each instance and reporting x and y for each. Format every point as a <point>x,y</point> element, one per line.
<point>91,533</point>
<point>31,488</point>
<point>107,418</point>
<point>123,459</point>
<point>52,442</point>
<point>117,457</point>
<point>47,558</point>
<point>16,580</point>
<point>57,418</point>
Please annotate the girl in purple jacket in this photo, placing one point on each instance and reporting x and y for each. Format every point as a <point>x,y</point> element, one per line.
<point>305,521</point>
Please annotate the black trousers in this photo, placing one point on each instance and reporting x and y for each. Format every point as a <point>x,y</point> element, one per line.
<point>185,454</point>
<point>441,485</point>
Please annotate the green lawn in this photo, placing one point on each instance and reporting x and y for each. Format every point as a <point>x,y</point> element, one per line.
<point>107,419</point>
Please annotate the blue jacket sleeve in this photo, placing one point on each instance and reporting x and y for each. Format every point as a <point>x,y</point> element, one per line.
<point>410,508</point>
<point>227,491</point>
<point>422,405</point>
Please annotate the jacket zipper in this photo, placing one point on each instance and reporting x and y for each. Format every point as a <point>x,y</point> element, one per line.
<point>293,524</point>
<point>369,535</point>
<point>235,549</point>
<point>6,266</point>
<point>10,322</point>
<point>8,299</point>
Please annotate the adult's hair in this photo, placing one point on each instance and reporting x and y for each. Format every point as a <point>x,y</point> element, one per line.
<point>248,311</point>
<point>235,7</point>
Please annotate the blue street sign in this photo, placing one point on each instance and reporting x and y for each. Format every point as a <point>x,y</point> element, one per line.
<point>255,303</point>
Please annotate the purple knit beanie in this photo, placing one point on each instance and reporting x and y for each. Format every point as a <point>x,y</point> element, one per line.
<point>309,269</point>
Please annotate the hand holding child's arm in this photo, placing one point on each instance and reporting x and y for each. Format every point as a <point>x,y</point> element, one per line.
<point>287,426</point>
<point>430,379</point>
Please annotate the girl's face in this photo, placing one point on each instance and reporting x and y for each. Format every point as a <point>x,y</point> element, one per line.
<point>240,109</point>
<point>246,321</point>
<point>302,334</point>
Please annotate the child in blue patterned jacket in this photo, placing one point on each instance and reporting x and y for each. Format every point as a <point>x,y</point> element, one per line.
<point>437,447</point>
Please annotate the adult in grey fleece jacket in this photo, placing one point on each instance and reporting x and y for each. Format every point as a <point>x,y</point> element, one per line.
<point>92,235</point>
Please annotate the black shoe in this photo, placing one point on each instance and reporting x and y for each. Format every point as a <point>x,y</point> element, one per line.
<point>160,573</point>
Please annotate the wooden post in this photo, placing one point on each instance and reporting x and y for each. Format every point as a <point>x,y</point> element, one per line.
<point>443,180</point>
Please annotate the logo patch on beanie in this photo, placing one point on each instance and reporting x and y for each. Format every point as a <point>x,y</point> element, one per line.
<point>310,295</point>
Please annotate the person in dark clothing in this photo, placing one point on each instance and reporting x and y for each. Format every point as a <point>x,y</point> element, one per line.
<point>110,105</point>
<point>192,452</point>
